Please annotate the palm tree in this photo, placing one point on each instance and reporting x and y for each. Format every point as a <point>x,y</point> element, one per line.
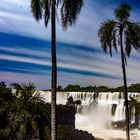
<point>27,98</point>
<point>124,34</point>
<point>70,9</point>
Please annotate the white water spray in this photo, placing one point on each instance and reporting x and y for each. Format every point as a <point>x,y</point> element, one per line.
<point>98,109</point>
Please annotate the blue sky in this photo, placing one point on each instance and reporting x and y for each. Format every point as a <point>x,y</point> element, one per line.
<point>25,47</point>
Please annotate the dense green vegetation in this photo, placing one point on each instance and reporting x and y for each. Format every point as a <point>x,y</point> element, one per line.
<point>24,115</point>
<point>131,88</point>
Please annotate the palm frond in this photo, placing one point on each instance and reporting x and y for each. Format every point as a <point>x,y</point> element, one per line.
<point>114,39</point>
<point>107,34</point>
<point>36,9</point>
<point>28,89</point>
<point>123,11</point>
<point>128,47</point>
<point>132,35</point>
<point>46,8</point>
<point>125,59</point>
<point>70,11</point>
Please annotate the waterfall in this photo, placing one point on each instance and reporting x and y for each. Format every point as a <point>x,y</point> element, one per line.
<point>119,113</point>
<point>98,109</point>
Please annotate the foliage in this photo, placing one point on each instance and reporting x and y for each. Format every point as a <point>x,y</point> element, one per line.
<point>78,88</point>
<point>6,99</point>
<point>72,88</point>
<point>70,10</point>
<point>109,32</point>
<point>24,115</point>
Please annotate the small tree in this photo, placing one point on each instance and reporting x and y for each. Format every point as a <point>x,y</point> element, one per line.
<point>27,99</point>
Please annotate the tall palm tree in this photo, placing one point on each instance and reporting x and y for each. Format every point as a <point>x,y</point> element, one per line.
<point>124,34</point>
<point>70,9</point>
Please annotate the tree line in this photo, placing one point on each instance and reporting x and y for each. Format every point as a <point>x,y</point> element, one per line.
<point>78,88</point>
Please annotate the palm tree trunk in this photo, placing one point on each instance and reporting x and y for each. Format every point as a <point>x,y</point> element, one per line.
<point>54,72</point>
<point>125,85</point>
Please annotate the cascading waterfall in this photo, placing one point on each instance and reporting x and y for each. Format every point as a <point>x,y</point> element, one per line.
<point>98,110</point>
